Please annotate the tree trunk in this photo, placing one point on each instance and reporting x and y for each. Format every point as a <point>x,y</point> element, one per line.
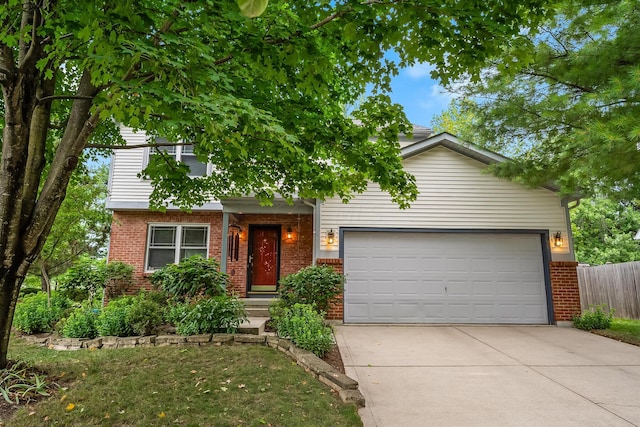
<point>9,290</point>
<point>46,282</point>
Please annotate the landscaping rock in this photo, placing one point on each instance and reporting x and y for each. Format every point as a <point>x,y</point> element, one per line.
<point>147,341</point>
<point>109,342</point>
<point>127,342</point>
<point>222,338</point>
<point>203,338</point>
<point>66,343</point>
<point>94,343</point>
<point>37,340</point>
<point>272,341</point>
<point>352,396</point>
<point>338,380</point>
<point>166,340</point>
<point>259,339</point>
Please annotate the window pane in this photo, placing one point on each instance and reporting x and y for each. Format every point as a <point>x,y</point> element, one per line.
<point>163,236</point>
<point>169,149</point>
<point>187,149</point>
<point>196,167</point>
<point>186,253</point>
<point>194,236</point>
<point>158,258</point>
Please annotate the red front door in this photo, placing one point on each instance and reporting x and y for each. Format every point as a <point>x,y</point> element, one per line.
<point>264,261</point>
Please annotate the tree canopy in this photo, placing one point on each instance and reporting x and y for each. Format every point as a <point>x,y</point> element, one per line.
<point>569,107</point>
<point>261,99</point>
<point>604,231</point>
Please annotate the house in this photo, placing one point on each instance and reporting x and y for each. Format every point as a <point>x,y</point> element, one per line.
<point>471,249</point>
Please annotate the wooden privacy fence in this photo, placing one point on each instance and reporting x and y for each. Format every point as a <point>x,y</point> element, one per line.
<point>615,285</point>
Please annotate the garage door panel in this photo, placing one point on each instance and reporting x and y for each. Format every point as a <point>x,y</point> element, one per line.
<point>443,278</point>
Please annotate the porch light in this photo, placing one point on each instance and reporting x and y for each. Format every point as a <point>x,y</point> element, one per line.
<point>330,237</point>
<point>289,233</point>
<point>557,239</point>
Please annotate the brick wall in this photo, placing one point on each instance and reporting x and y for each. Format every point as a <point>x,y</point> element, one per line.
<point>128,241</point>
<point>295,253</point>
<point>564,290</point>
<point>336,310</point>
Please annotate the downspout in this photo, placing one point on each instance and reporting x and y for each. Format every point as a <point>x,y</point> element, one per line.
<point>316,229</point>
<point>565,202</point>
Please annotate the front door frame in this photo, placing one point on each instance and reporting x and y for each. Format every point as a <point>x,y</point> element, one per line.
<point>252,228</point>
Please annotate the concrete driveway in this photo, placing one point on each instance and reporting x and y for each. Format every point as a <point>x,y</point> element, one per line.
<point>491,376</point>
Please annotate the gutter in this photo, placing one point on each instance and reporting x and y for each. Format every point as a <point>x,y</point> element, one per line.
<point>316,228</point>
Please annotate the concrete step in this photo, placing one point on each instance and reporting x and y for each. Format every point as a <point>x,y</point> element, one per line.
<point>257,302</point>
<point>257,311</point>
<point>253,326</point>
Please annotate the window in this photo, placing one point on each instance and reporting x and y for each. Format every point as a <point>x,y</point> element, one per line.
<point>168,244</point>
<point>184,154</point>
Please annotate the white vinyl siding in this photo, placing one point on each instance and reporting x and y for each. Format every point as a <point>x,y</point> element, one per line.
<point>125,186</point>
<point>455,193</point>
<point>169,243</point>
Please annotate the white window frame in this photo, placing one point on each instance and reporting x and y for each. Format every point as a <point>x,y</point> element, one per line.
<point>179,227</point>
<point>177,155</point>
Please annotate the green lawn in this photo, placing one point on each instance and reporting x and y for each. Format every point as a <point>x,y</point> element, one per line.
<point>626,330</point>
<point>244,385</point>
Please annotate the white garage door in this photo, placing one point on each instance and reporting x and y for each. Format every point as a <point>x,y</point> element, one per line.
<point>395,277</point>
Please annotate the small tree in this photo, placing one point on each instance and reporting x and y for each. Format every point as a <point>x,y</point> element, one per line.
<point>316,285</point>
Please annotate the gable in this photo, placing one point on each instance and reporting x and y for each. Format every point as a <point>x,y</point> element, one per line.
<point>456,192</point>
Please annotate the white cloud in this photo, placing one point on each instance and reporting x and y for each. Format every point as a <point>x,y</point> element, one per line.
<point>419,71</point>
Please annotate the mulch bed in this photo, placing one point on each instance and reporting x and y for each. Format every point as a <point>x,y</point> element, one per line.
<point>334,359</point>
<point>616,336</point>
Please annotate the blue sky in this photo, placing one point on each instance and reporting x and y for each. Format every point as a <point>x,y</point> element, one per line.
<point>421,96</point>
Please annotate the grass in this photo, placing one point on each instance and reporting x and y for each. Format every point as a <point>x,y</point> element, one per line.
<point>626,330</point>
<point>191,386</point>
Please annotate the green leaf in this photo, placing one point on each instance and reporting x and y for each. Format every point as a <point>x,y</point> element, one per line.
<point>252,8</point>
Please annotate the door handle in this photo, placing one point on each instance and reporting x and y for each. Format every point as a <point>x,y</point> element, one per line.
<point>250,261</point>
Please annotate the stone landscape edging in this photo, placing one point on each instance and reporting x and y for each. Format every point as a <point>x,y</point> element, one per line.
<point>346,387</point>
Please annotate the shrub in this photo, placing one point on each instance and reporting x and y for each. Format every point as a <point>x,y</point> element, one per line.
<point>83,279</point>
<point>33,314</point>
<point>144,314</point>
<point>191,277</point>
<point>113,319</point>
<point>594,318</point>
<point>222,313</point>
<point>118,278</point>
<point>316,285</point>
<point>305,327</point>
<point>81,323</point>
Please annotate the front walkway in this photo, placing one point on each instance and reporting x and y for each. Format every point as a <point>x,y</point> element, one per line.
<point>491,376</point>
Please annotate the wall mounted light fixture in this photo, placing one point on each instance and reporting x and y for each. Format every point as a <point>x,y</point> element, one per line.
<point>289,233</point>
<point>330,237</point>
<point>558,240</point>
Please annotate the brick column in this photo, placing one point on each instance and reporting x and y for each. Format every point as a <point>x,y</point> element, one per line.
<point>336,310</point>
<point>564,290</point>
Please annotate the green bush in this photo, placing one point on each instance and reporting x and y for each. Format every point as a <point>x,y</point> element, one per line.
<point>222,313</point>
<point>84,279</point>
<point>81,323</point>
<point>193,276</point>
<point>118,279</point>
<point>594,318</point>
<point>306,328</point>
<point>144,314</point>
<point>316,285</point>
<point>33,314</point>
<point>113,319</point>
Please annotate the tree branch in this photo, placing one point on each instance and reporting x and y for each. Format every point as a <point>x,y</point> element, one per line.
<point>133,146</point>
<point>56,97</point>
<point>557,80</point>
